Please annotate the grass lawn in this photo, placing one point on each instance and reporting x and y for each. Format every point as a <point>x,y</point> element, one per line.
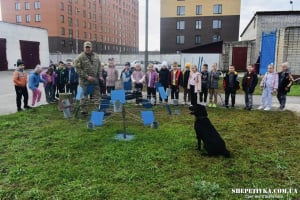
<point>44,156</point>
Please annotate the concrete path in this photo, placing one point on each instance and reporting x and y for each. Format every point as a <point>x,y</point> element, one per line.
<point>8,97</point>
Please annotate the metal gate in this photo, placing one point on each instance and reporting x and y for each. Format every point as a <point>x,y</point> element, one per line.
<point>268,48</point>
<point>239,58</point>
<point>3,58</point>
<point>30,52</point>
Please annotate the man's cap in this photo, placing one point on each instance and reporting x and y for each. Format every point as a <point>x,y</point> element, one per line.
<point>61,62</point>
<point>20,62</point>
<point>127,64</point>
<point>188,65</point>
<point>87,44</point>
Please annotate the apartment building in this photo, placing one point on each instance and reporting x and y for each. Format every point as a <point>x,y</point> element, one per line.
<point>190,23</point>
<point>111,25</point>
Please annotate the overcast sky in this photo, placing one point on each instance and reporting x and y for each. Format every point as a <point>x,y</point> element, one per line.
<point>248,9</point>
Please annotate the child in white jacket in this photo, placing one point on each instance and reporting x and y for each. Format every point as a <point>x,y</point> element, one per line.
<point>194,84</point>
<point>269,85</point>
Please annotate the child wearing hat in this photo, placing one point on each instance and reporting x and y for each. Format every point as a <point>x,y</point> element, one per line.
<point>20,81</point>
<point>126,77</point>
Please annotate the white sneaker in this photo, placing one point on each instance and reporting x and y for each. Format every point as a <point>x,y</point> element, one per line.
<point>260,108</point>
<point>267,109</point>
<point>204,104</point>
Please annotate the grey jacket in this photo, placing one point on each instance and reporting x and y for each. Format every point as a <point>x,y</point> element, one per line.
<point>213,79</point>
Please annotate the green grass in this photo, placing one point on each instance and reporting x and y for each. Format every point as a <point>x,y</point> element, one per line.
<point>44,156</point>
<point>295,89</point>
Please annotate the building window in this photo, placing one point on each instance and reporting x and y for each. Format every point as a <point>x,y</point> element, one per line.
<point>70,33</point>
<point>180,10</point>
<point>62,6</point>
<point>198,24</point>
<point>62,19</point>
<point>179,39</point>
<point>84,13</point>
<point>197,39</point>
<point>27,6</point>
<point>70,9</point>
<point>180,25</point>
<point>218,9</point>
<point>198,9</point>
<point>84,3</point>
<point>37,5</point>
<point>37,17</point>
<point>27,18</point>
<point>217,24</point>
<point>216,38</point>
<point>62,31</point>
<point>85,35</point>
<point>84,24</point>
<point>18,18</point>
<point>18,6</point>
<point>70,21</point>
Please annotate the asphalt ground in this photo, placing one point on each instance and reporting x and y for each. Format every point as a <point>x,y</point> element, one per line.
<point>8,97</point>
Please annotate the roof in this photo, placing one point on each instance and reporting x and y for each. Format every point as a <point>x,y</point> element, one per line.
<point>215,47</point>
<point>265,13</point>
<point>24,25</point>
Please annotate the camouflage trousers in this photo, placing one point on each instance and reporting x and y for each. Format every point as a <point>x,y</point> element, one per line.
<point>91,94</point>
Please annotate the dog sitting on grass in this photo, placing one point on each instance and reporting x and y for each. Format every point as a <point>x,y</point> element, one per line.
<point>205,131</point>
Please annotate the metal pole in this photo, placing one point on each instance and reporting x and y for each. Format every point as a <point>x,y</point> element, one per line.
<point>146,36</point>
<point>77,24</point>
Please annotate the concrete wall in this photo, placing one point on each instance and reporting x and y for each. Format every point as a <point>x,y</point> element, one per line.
<point>250,33</point>
<point>121,59</point>
<point>269,23</point>
<point>288,48</point>
<point>14,33</point>
<point>227,52</point>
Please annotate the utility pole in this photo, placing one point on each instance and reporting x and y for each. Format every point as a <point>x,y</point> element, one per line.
<point>146,36</point>
<point>77,29</point>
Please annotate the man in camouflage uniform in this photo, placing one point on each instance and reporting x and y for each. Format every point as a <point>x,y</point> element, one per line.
<point>88,65</point>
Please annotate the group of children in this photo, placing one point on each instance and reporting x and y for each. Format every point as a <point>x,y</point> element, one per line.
<point>56,80</point>
<point>205,83</point>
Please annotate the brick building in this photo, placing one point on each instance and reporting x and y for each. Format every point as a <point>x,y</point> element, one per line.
<point>112,25</point>
<point>185,24</point>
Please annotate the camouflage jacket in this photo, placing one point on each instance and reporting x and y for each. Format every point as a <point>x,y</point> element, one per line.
<point>86,66</point>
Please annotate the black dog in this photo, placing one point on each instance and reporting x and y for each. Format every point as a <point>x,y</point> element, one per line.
<point>205,131</point>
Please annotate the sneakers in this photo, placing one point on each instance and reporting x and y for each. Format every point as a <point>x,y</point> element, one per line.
<point>210,105</point>
<point>267,109</point>
<point>214,105</point>
<point>260,108</point>
<point>20,109</point>
<point>27,107</point>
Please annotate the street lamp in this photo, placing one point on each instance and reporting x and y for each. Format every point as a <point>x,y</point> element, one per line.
<point>291,2</point>
<point>77,25</point>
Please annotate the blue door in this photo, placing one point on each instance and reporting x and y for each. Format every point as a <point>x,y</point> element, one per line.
<point>267,54</point>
